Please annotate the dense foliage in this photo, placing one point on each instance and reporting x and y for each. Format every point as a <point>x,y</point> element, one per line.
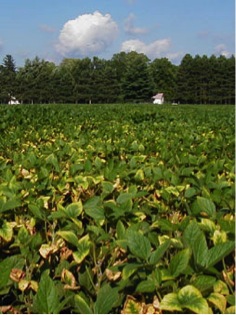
<point>120,208</point>
<point>127,77</point>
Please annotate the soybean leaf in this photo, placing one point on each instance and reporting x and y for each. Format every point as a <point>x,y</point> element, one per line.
<point>179,262</point>
<point>93,208</point>
<point>171,303</point>
<point>6,205</point>
<point>218,252</point>
<point>130,269</point>
<point>74,209</point>
<point>81,305</point>
<point>139,245</point>
<point>46,300</point>
<point>218,300</point>
<point>204,205</point>
<point>147,286</point>
<point>187,298</point>
<point>191,298</point>
<point>83,249</point>
<point>204,283</point>
<point>6,266</point>
<point>124,197</point>
<point>69,236</point>
<point>36,211</point>
<point>196,241</point>
<point>159,253</point>
<point>120,230</point>
<point>6,231</point>
<point>106,298</point>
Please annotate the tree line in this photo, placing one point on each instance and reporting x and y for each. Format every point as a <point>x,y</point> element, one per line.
<point>126,77</point>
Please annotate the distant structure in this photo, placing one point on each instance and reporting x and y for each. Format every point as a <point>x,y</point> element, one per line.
<point>13,101</point>
<point>158,99</point>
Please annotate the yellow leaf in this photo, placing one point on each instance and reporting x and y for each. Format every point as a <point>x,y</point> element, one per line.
<point>47,250</point>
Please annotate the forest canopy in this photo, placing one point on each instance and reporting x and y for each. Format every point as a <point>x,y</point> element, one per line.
<point>126,77</point>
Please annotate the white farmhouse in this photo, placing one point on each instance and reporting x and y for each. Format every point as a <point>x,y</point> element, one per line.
<point>158,98</point>
<point>13,101</point>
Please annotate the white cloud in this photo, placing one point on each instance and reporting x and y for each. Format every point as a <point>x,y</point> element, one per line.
<point>131,29</point>
<point>221,49</point>
<point>156,49</point>
<point>88,34</point>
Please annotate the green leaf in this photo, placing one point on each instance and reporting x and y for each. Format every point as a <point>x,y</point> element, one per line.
<point>147,286</point>
<point>165,225</point>
<point>139,245</point>
<point>159,252</point>
<point>93,208</point>
<point>124,197</point>
<point>130,269</point>
<point>46,300</point>
<point>187,298</point>
<point>218,252</point>
<point>191,298</point>
<point>205,206</point>
<point>81,305</point>
<point>6,205</point>
<point>107,188</point>
<point>190,192</point>
<point>179,262</point>
<point>231,299</point>
<point>120,230</point>
<point>196,241</point>
<point>36,211</point>
<point>171,303</point>
<point>6,266</point>
<point>6,231</point>
<point>69,236</point>
<point>106,298</point>
<point>83,249</point>
<point>52,160</point>
<point>74,209</point>
<point>204,283</point>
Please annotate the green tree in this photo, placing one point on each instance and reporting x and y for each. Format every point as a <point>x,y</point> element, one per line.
<point>164,73</point>
<point>35,81</point>
<point>137,84</point>
<point>7,79</point>
<point>185,91</point>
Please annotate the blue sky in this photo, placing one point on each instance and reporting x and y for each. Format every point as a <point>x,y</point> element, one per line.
<point>55,29</point>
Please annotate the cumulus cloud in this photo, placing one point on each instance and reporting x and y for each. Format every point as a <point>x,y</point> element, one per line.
<point>88,34</point>
<point>221,49</point>
<point>155,49</point>
<point>131,29</point>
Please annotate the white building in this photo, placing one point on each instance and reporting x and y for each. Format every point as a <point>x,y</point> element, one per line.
<point>158,98</point>
<point>13,101</point>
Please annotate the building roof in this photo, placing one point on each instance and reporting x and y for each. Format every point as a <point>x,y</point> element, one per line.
<point>158,96</point>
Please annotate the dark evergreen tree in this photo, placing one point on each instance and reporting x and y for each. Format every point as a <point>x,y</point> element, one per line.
<point>7,79</point>
<point>164,73</point>
<point>137,84</point>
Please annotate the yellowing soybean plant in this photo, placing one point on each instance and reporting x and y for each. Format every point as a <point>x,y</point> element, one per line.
<point>117,209</point>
